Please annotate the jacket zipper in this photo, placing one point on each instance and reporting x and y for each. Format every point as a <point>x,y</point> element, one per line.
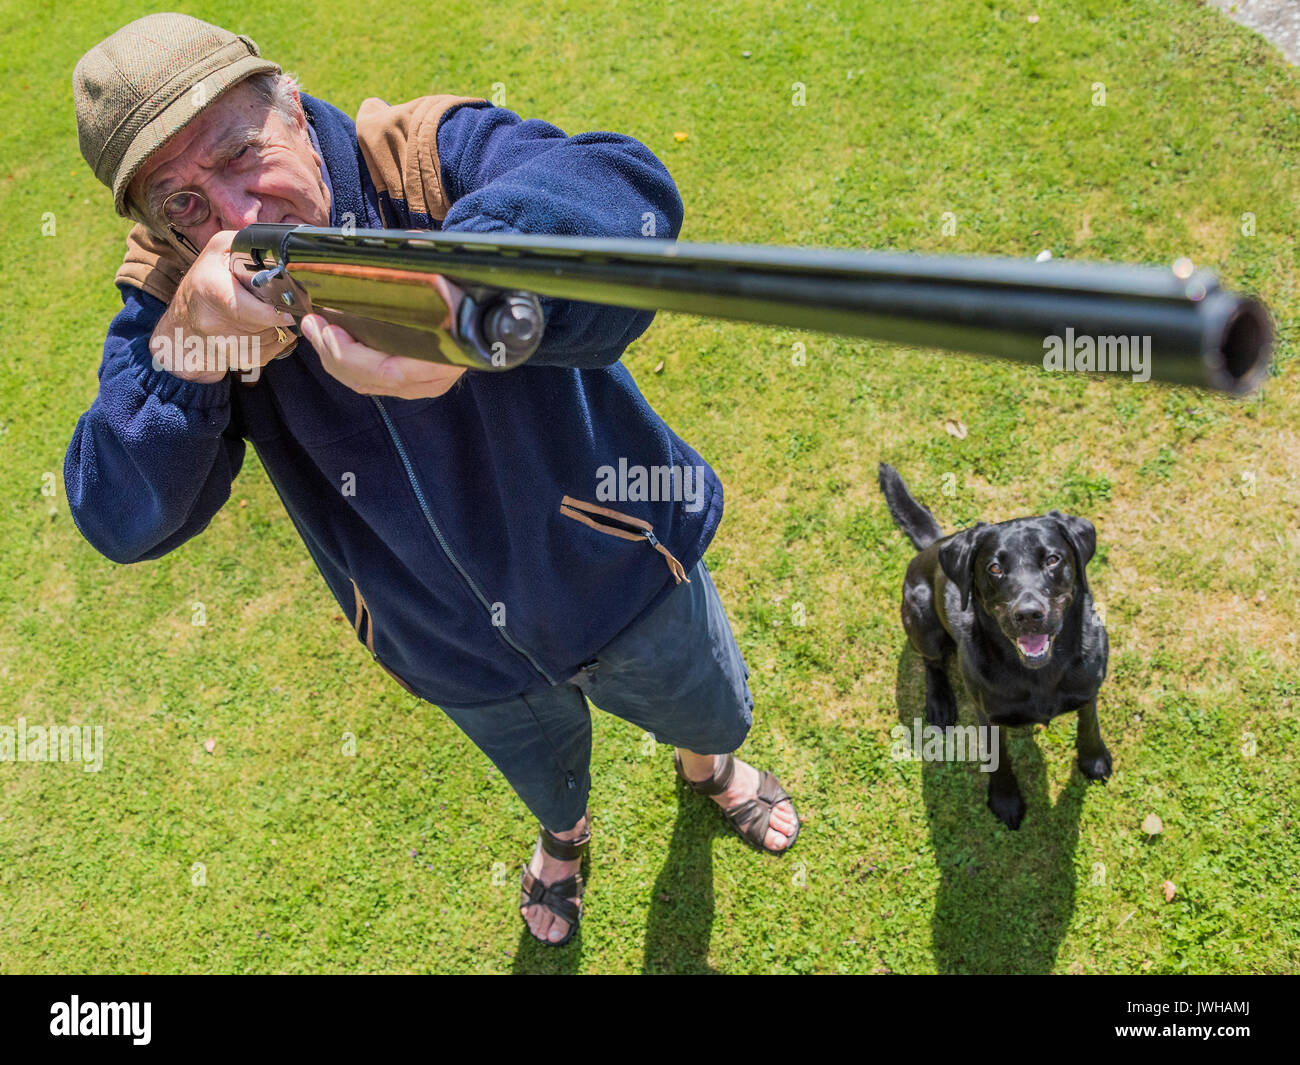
<point>446,548</point>
<point>364,617</point>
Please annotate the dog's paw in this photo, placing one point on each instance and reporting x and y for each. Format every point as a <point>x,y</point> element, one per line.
<point>1009,809</point>
<point>1095,766</point>
<point>941,713</point>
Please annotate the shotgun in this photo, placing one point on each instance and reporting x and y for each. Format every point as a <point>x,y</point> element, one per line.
<point>471,299</point>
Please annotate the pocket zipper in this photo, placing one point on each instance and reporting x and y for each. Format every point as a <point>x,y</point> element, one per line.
<point>573,508</point>
<point>363,613</point>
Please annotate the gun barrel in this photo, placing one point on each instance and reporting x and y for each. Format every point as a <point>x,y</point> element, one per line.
<point>1184,330</point>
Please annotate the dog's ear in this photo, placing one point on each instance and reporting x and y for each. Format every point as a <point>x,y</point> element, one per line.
<point>957,559</point>
<point>1080,534</point>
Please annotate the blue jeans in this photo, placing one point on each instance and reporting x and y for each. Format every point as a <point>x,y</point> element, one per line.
<point>677,674</point>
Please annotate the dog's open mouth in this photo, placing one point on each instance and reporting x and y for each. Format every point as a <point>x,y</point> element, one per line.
<point>1034,649</point>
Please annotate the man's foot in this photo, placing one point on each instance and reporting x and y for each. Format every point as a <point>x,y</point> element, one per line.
<point>542,923</point>
<point>743,786</point>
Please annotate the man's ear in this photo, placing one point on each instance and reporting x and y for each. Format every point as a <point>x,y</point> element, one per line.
<point>1081,535</point>
<point>300,119</point>
<point>957,559</point>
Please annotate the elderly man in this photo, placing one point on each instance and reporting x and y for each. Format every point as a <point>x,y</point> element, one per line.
<point>449,512</point>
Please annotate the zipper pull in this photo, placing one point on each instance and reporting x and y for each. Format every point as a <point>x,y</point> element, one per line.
<point>674,567</point>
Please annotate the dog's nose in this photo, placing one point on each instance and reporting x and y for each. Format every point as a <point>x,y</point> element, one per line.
<point>1027,613</point>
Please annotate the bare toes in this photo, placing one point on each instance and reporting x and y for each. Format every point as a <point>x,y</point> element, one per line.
<point>778,840</point>
<point>784,823</point>
<point>539,922</point>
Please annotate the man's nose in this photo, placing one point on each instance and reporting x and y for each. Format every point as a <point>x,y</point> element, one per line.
<point>235,207</point>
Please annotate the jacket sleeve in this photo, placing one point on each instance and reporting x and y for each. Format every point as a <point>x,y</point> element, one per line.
<point>152,460</point>
<point>506,175</point>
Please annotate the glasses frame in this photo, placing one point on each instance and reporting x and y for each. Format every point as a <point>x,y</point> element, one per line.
<point>181,238</point>
<point>207,207</point>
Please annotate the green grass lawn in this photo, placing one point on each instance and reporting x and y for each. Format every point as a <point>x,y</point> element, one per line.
<point>281,852</point>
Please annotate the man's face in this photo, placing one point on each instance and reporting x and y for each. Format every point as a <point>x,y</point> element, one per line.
<point>246,160</point>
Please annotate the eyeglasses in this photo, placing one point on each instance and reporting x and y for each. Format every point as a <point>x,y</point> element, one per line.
<point>186,208</point>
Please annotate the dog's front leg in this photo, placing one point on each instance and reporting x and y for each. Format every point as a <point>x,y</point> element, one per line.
<point>940,702</point>
<point>1094,759</point>
<point>1004,790</point>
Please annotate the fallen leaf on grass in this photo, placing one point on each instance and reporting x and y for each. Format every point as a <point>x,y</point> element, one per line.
<point>209,745</point>
<point>955,428</point>
<point>1152,825</point>
<point>1169,891</point>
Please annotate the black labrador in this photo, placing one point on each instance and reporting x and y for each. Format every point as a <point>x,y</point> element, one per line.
<point>1013,600</point>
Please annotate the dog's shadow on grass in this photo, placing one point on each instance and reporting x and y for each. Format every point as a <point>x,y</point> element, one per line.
<point>1005,899</point>
<point>681,904</point>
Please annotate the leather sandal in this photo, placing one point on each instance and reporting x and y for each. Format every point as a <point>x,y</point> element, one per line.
<point>555,897</point>
<point>751,817</point>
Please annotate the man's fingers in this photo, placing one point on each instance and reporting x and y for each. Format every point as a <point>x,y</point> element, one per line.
<point>336,342</point>
<point>241,303</point>
<point>371,372</point>
<point>253,309</point>
<point>256,314</point>
<point>219,243</point>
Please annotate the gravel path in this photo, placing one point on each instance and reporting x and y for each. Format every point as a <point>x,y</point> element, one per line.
<point>1275,20</point>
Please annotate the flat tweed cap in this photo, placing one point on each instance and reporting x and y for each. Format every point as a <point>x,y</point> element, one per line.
<point>138,88</point>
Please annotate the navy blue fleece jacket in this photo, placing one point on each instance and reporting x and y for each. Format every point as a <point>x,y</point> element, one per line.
<point>475,586</point>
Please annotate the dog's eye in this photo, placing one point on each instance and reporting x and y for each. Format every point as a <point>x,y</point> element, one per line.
<point>995,569</point>
<point>1053,559</point>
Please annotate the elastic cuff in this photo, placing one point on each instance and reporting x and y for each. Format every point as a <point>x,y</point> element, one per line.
<point>168,388</point>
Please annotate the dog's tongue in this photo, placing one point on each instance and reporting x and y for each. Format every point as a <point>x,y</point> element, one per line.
<point>1032,645</point>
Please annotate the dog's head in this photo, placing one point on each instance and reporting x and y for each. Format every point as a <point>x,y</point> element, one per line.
<point>1025,574</point>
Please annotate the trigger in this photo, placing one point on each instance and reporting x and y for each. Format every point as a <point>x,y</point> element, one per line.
<point>276,287</point>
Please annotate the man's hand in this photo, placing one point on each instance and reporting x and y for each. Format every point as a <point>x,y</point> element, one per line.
<point>371,372</point>
<point>211,302</point>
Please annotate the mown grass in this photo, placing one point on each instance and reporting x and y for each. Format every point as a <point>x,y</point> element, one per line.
<point>404,857</point>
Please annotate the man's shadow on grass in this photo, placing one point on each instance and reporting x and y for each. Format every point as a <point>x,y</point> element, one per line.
<point>681,903</point>
<point>1005,898</point>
